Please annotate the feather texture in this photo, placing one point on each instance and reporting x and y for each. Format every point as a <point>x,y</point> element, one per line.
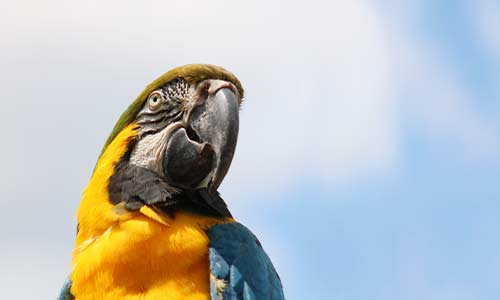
<point>192,73</point>
<point>240,268</point>
<point>65,293</point>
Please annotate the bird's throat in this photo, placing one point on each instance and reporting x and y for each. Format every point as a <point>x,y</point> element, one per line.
<point>143,254</point>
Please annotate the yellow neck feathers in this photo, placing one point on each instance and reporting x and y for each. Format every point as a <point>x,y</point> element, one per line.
<point>136,255</point>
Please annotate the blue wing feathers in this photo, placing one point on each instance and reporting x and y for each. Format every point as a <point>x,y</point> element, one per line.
<point>237,257</point>
<point>65,293</point>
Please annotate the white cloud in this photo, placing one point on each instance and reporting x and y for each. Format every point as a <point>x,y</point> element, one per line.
<point>434,98</point>
<point>318,83</point>
<point>33,273</point>
<point>431,91</point>
<point>318,80</point>
<point>325,107</point>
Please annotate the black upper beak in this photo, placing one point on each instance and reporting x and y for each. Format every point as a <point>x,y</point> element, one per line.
<point>202,152</point>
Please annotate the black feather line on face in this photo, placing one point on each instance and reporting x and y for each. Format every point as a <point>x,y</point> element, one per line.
<point>150,114</point>
<point>137,186</point>
<point>176,97</point>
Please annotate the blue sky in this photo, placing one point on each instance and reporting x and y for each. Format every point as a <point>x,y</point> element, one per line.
<point>369,152</point>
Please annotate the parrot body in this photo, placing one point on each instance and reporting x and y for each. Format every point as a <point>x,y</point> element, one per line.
<point>151,224</point>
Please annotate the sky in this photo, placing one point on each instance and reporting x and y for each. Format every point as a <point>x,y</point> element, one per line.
<point>369,153</point>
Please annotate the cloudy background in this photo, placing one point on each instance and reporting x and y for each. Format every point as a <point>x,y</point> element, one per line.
<point>369,154</point>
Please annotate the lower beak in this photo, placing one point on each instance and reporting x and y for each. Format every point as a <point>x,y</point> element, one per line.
<point>202,153</point>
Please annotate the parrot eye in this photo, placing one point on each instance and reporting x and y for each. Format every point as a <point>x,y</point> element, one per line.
<point>155,100</point>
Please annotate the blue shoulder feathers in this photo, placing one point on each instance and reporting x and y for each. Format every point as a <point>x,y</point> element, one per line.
<point>65,293</point>
<point>240,269</point>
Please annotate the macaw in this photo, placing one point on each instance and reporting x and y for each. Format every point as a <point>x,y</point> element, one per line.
<point>151,224</point>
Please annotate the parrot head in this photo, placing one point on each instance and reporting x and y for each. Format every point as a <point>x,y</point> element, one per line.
<point>183,136</point>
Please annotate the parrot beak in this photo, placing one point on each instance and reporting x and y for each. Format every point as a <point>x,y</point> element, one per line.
<point>202,153</point>
<point>216,122</point>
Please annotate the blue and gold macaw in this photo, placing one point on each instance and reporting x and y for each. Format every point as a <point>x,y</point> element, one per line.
<point>151,224</point>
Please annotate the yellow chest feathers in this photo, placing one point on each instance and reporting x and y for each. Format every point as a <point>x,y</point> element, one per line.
<point>136,255</point>
<point>140,258</point>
